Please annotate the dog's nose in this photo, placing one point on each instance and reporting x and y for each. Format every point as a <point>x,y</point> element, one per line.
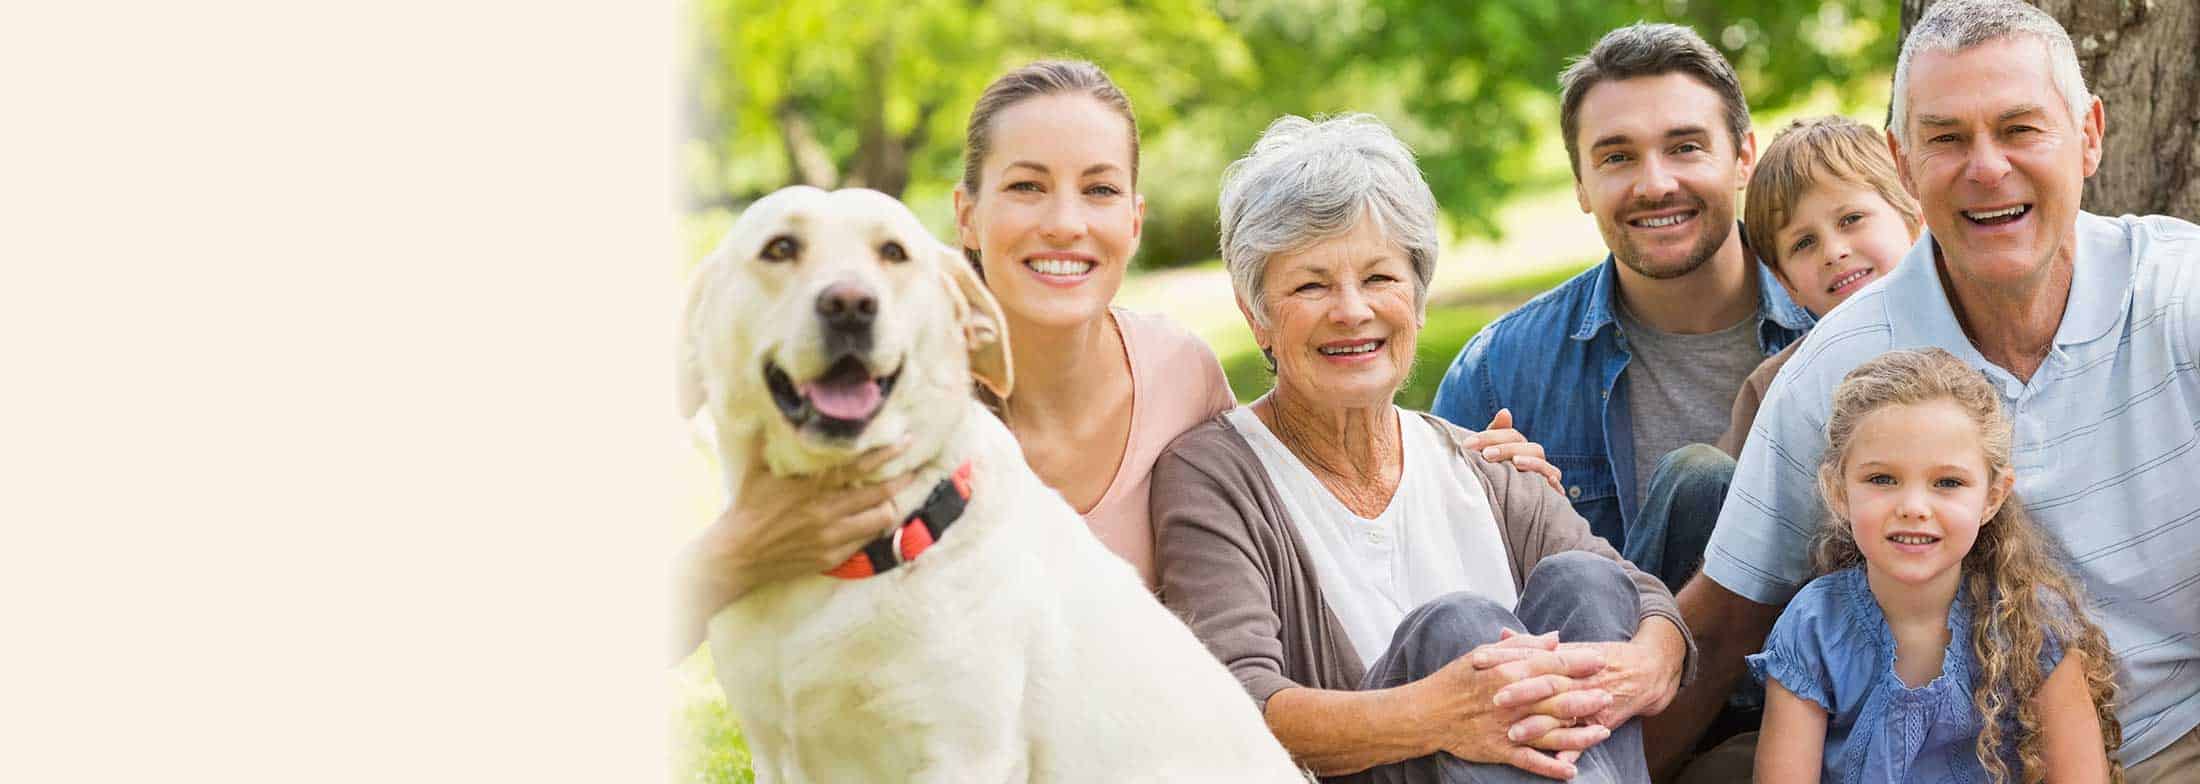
<point>847,306</point>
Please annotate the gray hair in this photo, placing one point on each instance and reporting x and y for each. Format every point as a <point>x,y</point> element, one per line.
<point>1307,181</point>
<point>1956,25</point>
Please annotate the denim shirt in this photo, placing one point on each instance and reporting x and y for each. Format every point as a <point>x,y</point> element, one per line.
<point>1556,362</point>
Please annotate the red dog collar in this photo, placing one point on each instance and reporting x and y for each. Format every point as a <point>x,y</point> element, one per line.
<point>917,532</point>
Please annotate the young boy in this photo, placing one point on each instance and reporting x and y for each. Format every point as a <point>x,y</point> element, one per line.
<point>1827,213</point>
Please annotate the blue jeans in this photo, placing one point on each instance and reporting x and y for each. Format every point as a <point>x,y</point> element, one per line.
<point>1583,597</point>
<point>1678,512</point>
<point>1669,537</point>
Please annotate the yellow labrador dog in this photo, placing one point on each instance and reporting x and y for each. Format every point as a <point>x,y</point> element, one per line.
<point>989,638</point>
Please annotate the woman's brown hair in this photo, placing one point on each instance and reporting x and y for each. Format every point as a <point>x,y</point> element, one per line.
<point>2010,569</point>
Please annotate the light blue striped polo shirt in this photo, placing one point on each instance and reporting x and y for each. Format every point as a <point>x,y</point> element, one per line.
<point>2107,448</point>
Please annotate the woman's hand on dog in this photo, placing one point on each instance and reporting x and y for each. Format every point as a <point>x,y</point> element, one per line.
<point>780,528</point>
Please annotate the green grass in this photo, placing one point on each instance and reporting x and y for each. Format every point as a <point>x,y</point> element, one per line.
<point>713,751</point>
<point>708,747</point>
<point>1452,321</point>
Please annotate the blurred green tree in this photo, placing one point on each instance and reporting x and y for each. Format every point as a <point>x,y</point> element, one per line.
<point>1477,83</point>
<point>874,93</point>
<point>861,93</point>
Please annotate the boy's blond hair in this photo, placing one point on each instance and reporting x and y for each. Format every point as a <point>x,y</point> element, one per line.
<point>1805,153</point>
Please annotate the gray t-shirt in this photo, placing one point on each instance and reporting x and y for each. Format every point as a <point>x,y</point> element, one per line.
<point>1680,388</point>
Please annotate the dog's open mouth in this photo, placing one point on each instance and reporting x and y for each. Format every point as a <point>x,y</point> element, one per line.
<point>838,403</point>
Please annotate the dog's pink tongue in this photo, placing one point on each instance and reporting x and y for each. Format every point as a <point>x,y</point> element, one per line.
<point>844,400</point>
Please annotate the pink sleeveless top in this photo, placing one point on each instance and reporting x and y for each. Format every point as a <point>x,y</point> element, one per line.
<point>1175,384</point>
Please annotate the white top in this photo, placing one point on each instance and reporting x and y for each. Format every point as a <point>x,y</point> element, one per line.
<point>1437,536</point>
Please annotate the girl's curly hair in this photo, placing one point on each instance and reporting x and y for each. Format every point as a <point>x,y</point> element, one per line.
<point>2008,572</point>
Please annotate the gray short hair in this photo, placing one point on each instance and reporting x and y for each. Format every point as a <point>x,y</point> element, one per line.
<point>1308,181</point>
<point>1956,25</point>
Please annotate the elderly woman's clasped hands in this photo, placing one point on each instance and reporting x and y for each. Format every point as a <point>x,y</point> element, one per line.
<point>1513,700</point>
<point>1530,693</point>
<point>1625,680</point>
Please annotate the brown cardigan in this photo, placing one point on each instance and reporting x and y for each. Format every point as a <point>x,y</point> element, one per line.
<point>1234,569</point>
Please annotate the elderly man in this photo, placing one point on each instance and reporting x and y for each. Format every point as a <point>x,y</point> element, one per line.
<point>2089,326</point>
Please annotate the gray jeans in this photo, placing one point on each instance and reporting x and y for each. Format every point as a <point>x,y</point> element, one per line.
<point>1581,596</point>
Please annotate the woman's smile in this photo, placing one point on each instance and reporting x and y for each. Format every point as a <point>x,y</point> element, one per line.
<point>1061,269</point>
<point>1351,352</point>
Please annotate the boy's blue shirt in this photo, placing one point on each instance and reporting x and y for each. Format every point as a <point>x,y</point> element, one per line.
<point>1556,362</point>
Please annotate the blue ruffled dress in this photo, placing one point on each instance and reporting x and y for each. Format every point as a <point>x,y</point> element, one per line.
<point>1832,646</point>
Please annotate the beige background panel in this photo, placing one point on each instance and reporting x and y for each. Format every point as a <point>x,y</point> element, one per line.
<point>336,440</point>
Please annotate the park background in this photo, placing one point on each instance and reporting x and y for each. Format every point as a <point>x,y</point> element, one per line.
<point>875,93</point>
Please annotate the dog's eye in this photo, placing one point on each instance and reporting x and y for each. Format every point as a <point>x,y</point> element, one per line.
<point>781,249</point>
<point>892,252</point>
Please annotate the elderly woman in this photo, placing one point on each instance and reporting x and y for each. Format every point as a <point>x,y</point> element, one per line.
<point>1399,607</point>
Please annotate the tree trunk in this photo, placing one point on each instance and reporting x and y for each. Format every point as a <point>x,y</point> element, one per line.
<point>882,158</point>
<point>808,162</point>
<point>2142,59</point>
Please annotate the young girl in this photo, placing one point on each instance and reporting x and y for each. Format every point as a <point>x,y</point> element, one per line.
<point>1942,641</point>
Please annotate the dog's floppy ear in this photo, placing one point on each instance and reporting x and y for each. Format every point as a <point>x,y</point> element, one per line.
<point>985,332</point>
<point>687,365</point>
